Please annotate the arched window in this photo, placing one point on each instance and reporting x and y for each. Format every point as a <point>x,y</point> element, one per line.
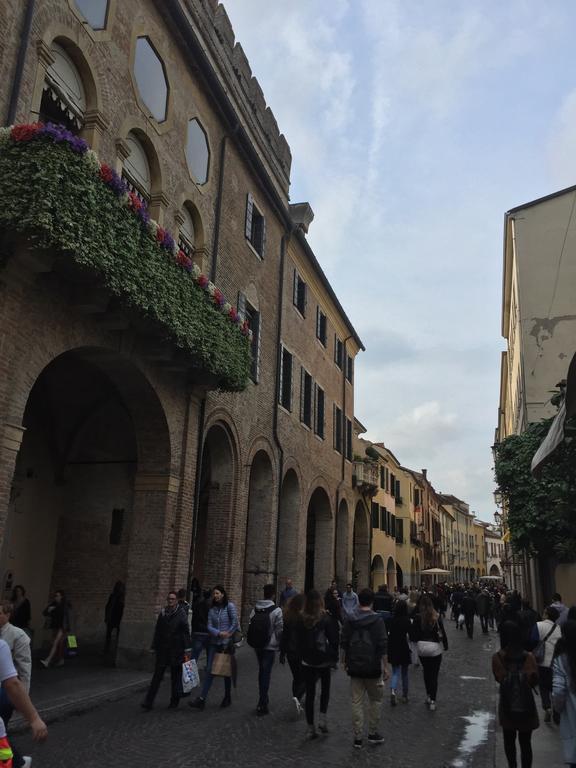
<point>94,11</point>
<point>63,98</point>
<point>187,236</point>
<point>136,170</point>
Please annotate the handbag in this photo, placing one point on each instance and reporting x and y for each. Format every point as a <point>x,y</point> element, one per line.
<point>428,648</point>
<point>190,676</point>
<point>461,619</point>
<point>222,665</point>
<point>540,650</point>
<point>71,645</point>
<point>237,638</point>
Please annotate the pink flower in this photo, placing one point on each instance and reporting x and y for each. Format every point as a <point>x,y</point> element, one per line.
<point>25,132</point>
<point>202,281</point>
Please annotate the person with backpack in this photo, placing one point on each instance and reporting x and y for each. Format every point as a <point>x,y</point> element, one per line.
<point>399,652</point>
<point>365,646</point>
<point>564,690</point>
<point>516,671</point>
<point>289,648</point>
<point>548,635</point>
<point>222,624</point>
<point>428,633</point>
<point>264,635</point>
<point>318,635</point>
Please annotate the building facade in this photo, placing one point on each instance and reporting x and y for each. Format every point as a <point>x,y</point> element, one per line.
<point>158,428</point>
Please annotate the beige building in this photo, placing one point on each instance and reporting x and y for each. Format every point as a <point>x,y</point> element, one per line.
<point>538,324</point>
<point>494,551</point>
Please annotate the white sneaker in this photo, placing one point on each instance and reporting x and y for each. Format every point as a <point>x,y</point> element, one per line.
<point>27,761</point>
<point>432,706</point>
<point>45,663</point>
<point>297,705</point>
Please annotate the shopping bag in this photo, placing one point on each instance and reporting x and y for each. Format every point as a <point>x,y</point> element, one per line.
<point>222,665</point>
<point>71,645</point>
<point>190,676</point>
<point>461,620</point>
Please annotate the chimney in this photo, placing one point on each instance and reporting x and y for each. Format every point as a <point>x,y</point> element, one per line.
<point>302,215</point>
<point>424,472</point>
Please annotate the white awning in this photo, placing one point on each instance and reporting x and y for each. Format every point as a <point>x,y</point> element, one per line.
<point>552,440</point>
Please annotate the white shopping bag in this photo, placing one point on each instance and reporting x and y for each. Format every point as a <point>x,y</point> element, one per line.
<point>190,676</point>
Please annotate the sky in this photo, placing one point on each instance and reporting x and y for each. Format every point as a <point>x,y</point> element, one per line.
<point>414,126</point>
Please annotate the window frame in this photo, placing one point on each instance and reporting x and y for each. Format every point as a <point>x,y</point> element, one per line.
<point>285,356</point>
<point>306,401</point>
<point>259,247</point>
<point>321,320</point>
<point>319,418</point>
<point>299,293</point>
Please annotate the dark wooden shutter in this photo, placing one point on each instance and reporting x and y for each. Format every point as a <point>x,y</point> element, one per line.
<point>295,289</point>
<point>262,252</point>
<point>302,392</point>
<point>248,221</point>
<point>258,330</point>
<point>281,376</point>
<point>317,322</point>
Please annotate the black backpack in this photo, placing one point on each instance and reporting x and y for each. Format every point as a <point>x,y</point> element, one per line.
<point>515,691</point>
<point>260,628</point>
<point>361,658</point>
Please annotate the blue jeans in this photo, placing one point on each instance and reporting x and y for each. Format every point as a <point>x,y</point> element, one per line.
<point>396,671</point>
<point>212,649</point>
<point>200,643</point>
<point>265,664</point>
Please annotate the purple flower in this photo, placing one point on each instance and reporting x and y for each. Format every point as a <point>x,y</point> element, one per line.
<point>59,134</point>
<point>168,242</point>
<point>143,215</point>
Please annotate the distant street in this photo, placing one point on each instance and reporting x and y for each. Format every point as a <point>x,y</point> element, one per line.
<point>121,735</point>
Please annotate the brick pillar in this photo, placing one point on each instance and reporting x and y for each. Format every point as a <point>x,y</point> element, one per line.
<point>150,564</point>
<point>10,443</point>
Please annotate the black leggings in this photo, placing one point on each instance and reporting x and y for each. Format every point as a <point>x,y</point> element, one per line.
<point>298,684</point>
<point>311,676</point>
<point>431,670</point>
<point>524,737</point>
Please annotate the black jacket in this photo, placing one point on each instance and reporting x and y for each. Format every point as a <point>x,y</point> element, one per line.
<point>171,637</point>
<point>398,648</point>
<point>374,623</point>
<point>383,601</point>
<point>309,639</point>
<point>289,645</point>
<point>200,610</point>
<point>468,605</point>
<point>434,633</point>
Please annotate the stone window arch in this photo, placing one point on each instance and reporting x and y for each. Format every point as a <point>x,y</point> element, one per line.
<point>63,92</point>
<point>136,170</point>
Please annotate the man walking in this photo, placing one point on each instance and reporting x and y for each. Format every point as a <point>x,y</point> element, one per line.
<point>483,609</point>
<point>349,602</point>
<point>364,643</point>
<point>469,611</point>
<point>288,592</point>
<point>264,635</point>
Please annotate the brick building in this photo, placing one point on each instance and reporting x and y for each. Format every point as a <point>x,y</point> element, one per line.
<point>137,444</point>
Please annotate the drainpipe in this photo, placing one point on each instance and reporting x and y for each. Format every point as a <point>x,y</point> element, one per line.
<point>17,81</point>
<point>283,245</point>
<point>196,504</point>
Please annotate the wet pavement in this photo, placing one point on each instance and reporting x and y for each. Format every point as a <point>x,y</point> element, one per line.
<point>460,734</point>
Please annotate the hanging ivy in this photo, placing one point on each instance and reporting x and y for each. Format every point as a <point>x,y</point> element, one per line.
<point>541,512</point>
<point>51,194</point>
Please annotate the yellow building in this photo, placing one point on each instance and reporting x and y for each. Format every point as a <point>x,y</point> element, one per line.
<point>479,529</point>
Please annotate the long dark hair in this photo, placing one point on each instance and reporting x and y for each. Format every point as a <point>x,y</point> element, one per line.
<point>224,602</point>
<point>293,608</point>
<point>400,609</point>
<point>313,608</point>
<point>428,614</point>
<point>569,637</point>
<point>511,638</point>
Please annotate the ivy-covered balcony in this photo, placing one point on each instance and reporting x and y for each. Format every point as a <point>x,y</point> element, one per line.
<point>58,198</point>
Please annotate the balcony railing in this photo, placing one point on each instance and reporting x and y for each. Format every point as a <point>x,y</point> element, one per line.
<point>365,477</point>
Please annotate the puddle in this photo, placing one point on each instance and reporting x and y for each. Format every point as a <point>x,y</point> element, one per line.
<point>471,677</point>
<point>475,734</point>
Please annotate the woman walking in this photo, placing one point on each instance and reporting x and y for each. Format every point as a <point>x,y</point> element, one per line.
<point>113,613</point>
<point>564,691</point>
<point>222,624</point>
<point>171,644</point>
<point>428,633</point>
<point>516,671</point>
<point>58,619</point>
<point>317,644</point>
<point>399,655</point>
<point>289,647</point>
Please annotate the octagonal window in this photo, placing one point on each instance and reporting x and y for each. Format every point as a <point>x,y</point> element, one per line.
<point>94,11</point>
<point>197,152</point>
<point>151,79</point>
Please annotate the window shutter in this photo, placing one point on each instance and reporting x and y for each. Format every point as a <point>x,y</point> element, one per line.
<point>281,376</point>
<point>291,382</point>
<point>335,348</point>
<point>334,424</point>
<point>295,289</point>
<point>305,302</point>
<point>248,221</point>
<point>317,322</point>
<point>263,237</point>
<point>241,307</point>
<point>258,331</point>
<point>302,375</point>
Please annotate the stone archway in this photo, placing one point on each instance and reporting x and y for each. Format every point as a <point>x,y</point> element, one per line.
<point>378,572</point>
<point>290,552</point>
<point>319,542</point>
<point>342,556</point>
<point>391,574</point>
<point>361,547</point>
<point>494,570</point>
<point>259,550</point>
<point>212,544</point>
<point>399,576</point>
<point>92,492</point>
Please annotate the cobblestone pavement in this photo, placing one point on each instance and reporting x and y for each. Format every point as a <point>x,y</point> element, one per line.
<point>121,734</point>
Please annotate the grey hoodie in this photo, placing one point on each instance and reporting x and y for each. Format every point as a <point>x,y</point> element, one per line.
<point>276,623</point>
